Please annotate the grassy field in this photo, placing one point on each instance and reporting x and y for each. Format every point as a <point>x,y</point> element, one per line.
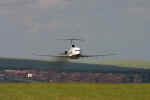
<point>73,91</point>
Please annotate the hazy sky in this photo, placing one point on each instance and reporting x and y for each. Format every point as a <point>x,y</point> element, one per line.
<point>28,26</point>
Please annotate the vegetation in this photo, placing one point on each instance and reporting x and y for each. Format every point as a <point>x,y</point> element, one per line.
<point>73,91</point>
<point>127,63</point>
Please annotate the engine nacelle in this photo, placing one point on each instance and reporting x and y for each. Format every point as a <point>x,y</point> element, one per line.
<point>65,52</point>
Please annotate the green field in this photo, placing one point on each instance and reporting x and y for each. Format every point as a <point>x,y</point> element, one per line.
<point>73,91</point>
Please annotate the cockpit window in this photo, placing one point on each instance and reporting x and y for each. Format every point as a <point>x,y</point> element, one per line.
<point>73,45</point>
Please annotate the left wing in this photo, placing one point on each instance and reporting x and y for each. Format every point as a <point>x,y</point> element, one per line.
<point>48,55</point>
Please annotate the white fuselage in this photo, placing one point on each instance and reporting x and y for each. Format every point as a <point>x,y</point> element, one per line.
<point>73,51</point>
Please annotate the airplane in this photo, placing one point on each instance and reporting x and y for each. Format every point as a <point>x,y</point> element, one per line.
<point>74,52</point>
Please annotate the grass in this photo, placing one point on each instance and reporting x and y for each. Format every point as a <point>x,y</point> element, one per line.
<point>73,91</point>
<point>127,63</point>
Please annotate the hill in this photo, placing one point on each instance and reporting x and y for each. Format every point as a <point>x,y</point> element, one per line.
<point>11,63</point>
<point>127,63</point>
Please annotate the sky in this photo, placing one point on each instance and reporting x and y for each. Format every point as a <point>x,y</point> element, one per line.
<point>28,26</point>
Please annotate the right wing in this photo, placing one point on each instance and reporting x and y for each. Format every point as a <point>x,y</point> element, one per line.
<point>109,54</point>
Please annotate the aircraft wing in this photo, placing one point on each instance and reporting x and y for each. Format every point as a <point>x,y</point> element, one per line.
<point>48,55</point>
<point>109,54</point>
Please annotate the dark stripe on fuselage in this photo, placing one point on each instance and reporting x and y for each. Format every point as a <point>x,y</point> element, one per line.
<point>75,56</point>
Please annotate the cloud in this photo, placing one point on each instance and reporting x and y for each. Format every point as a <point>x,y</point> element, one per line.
<point>28,6</point>
<point>47,3</point>
<point>53,3</point>
<point>136,11</point>
<point>15,3</point>
<point>34,3</point>
<point>143,13</point>
<point>13,6</point>
<point>44,27</point>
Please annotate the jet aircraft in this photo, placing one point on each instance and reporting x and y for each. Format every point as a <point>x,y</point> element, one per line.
<point>74,52</point>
